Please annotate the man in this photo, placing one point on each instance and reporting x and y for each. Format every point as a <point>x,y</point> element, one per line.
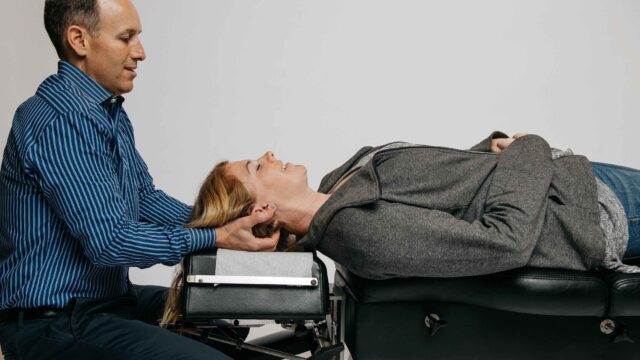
<point>78,207</point>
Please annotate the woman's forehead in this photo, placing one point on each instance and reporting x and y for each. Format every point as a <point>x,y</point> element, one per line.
<point>239,169</point>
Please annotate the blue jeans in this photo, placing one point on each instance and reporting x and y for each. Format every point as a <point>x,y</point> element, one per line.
<point>103,329</point>
<point>625,183</point>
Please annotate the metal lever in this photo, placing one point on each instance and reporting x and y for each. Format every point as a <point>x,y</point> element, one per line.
<point>622,335</point>
<point>252,280</point>
<point>433,323</point>
<point>328,352</point>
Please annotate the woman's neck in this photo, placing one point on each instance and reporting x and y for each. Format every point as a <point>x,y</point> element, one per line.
<point>297,214</point>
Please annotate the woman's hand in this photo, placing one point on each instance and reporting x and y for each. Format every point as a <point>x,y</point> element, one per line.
<point>237,234</point>
<point>498,145</point>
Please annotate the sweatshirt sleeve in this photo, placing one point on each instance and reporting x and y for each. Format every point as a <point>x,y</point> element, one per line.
<point>418,241</point>
<point>485,145</point>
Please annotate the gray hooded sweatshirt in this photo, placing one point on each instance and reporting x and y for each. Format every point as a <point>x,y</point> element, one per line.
<point>440,212</point>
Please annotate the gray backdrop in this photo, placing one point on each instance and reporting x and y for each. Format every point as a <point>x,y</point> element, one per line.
<point>315,80</point>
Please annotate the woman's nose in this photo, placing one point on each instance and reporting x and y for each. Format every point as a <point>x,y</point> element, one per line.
<point>270,156</point>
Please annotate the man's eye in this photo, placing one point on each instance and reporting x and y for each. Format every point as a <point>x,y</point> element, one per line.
<point>125,39</point>
<point>258,167</point>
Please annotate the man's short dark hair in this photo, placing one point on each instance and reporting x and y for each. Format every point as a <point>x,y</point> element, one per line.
<point>60,14</point>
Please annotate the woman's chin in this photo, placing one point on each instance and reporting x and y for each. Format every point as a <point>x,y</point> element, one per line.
<point>299,167</point>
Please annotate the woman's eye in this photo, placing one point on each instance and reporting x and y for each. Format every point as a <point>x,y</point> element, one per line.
<point>258,167</point>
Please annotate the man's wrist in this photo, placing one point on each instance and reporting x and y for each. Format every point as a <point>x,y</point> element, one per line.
<point>220,235</point>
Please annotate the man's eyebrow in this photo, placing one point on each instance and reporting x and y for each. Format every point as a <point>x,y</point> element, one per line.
<point>247,166</point>
<point>131,31</point>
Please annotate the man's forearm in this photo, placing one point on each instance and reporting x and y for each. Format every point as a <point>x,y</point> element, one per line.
<point>159,208</point>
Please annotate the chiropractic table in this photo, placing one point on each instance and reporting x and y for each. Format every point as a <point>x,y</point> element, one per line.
<point>521,314</point>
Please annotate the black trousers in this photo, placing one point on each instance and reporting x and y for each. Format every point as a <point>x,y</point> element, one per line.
<point>117,328</point>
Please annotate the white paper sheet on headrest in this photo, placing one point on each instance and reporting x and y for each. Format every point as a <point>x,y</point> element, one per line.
<point>243,263</point>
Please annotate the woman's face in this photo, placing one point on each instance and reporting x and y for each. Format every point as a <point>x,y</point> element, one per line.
<point>270,179</point>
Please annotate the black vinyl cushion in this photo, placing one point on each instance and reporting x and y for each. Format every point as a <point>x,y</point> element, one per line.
<point>625,294</point>
<point>205,301</point>
<point>525,290</point>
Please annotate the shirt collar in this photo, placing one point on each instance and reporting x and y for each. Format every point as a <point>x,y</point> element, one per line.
<point>86,84</point>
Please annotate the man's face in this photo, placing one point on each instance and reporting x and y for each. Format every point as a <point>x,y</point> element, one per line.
<point>114,52</point>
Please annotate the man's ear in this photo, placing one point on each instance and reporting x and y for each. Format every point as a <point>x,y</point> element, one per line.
<point>78,40</point>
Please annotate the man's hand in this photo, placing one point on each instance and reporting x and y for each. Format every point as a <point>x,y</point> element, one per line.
<point>497,145</point>
<point>237,234</point>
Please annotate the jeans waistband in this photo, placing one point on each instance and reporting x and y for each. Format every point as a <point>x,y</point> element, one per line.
<point>10,315</point>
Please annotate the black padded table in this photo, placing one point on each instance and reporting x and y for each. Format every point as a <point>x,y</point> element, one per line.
<point>523,314</point>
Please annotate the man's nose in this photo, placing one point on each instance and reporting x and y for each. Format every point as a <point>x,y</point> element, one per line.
<point>138,52</point>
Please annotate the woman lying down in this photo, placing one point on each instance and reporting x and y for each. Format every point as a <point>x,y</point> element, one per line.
<point>404,210</point>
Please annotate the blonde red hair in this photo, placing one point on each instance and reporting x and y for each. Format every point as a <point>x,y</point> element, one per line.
<point>222,198</point>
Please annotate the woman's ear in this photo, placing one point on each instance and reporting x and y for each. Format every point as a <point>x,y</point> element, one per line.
<point>257,208</point>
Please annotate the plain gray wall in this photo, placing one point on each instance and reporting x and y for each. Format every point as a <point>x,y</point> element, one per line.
<point>315,80</point>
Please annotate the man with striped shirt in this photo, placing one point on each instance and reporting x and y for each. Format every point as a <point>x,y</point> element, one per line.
<point>78,206</point>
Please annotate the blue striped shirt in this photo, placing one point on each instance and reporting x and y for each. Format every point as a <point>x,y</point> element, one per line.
<point>77,203</point>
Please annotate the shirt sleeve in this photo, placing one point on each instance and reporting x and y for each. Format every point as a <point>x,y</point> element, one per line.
<point>155,205</point>
<point>72,162</point>
<point>559,153</point>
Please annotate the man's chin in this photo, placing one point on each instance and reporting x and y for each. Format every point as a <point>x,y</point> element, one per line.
<point>125,89</point>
